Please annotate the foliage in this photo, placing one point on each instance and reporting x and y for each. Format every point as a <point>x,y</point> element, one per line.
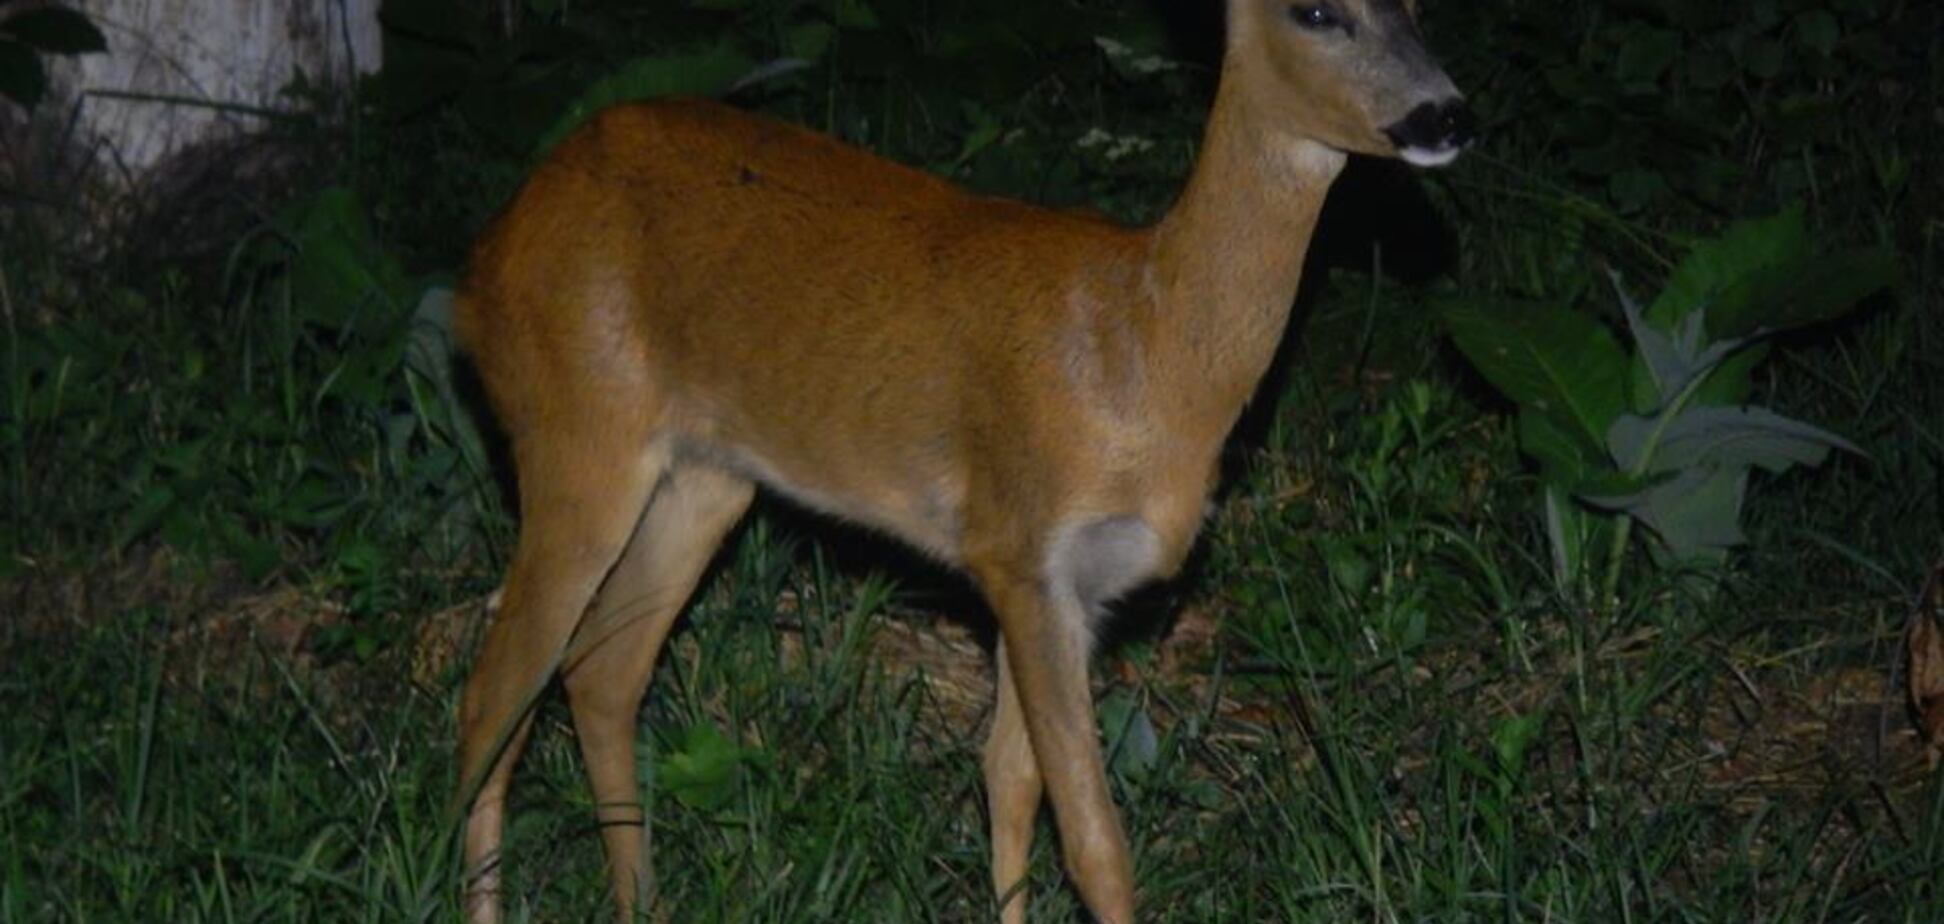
<point>1662,435</point>
<point>1399,716</point>
<point>27,35</point>
<point>1708,108</point>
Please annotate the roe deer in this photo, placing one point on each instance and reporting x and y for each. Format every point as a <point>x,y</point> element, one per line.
<point>686,301</point>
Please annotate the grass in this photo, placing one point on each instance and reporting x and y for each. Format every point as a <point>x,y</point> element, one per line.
<point>242,532</point>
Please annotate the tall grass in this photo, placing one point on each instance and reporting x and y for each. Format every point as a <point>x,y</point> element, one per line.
<point>234,496</point>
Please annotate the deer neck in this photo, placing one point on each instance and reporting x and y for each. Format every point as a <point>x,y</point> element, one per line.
<point>1228,255</point>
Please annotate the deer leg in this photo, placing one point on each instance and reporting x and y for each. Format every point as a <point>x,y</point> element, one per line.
<point>1044,628</point>
<point>579,501</point>
<point>1013,791</point>
<point>621,638</point>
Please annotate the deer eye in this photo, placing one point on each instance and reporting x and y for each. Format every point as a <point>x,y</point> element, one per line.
<point>1313,17</point>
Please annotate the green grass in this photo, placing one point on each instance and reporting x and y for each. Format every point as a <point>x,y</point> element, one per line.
<point>232,496</point>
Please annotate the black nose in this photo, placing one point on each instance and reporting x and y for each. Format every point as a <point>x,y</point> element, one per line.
<point>1445,126</point>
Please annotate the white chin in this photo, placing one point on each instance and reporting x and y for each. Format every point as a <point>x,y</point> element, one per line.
<point>1427,157</point>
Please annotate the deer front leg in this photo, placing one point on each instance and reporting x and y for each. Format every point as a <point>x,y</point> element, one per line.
<point>1045,636</point>
<point>1013,791</point>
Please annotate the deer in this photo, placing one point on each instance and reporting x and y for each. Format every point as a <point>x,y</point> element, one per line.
<point>685,302</point>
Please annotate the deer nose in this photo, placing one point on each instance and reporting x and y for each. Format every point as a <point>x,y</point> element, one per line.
<point>1434,133</point>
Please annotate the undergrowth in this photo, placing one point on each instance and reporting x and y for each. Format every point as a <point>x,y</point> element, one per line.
<point>238,489</point>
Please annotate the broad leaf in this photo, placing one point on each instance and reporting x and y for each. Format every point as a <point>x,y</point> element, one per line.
<point>1673,358</point>
<point>1732,378</point>
<point>706,771</point>
<point>1696,515</point>
<point>855,15</point>
<point>339,276</point>
<point>1557,361</point>
<point>1795,294</point>
<point>1742,436</point>
<point>1628,437</point>
<point>1718,264</point>
<point>1564,454</point>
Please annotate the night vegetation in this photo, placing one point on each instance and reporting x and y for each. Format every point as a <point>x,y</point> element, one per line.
<point>1447,652</point>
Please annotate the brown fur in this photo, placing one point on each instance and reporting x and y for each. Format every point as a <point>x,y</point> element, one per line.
<point>686,300</point>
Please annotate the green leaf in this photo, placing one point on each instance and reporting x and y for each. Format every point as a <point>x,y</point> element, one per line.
<point>1559,362</point>
<point>339,277</point>
<point>810,39</point>
<point>57,31</point>
<point>1564,536</point>
<point>144,515</point>
<point>704,73</point>
<point>1133,748</point>
<point>1731,380</point>
<point>1564,454</point>
<point>1800,292</point>
<point>855,15</point>
<point>1717,264</point>
<point>706,771</point>
<point>1741,436</point>
<point>1696,515</point>
<point>1646,54</point>
<point>21,77</point>
<point>1349,567</point>
<point>1818,31</point>
<point>1764,58</point>
<point>1511,737</point>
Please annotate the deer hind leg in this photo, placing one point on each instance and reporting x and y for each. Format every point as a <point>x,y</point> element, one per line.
<point>581,494</point>
<point>613,656</point>
<point>1013,791</point>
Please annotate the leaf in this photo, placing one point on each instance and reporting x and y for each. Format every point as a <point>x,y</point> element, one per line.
<point>1564,454</point>
<point>1349,567</point>
<point>57,31</point>
<point>1741,437</point>
<point>706,771</point>
<point>810,39</point>
<point>855,15</point>
<point>339,277</point>
<point>1696,514</point>
<point>1646,54</point>
<point>1511,736</point>
<point>1674,358</point>
<point>1133,748</point>
<point>1737,254</point>
<point>21,77</point>
<point>1799,293</point>
<point>704,73</point>
<point>143,517</point>
<point>1560,362</point>
<point>1818,31</point>
<point>1563,536</point>
<point>1731,381</point>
